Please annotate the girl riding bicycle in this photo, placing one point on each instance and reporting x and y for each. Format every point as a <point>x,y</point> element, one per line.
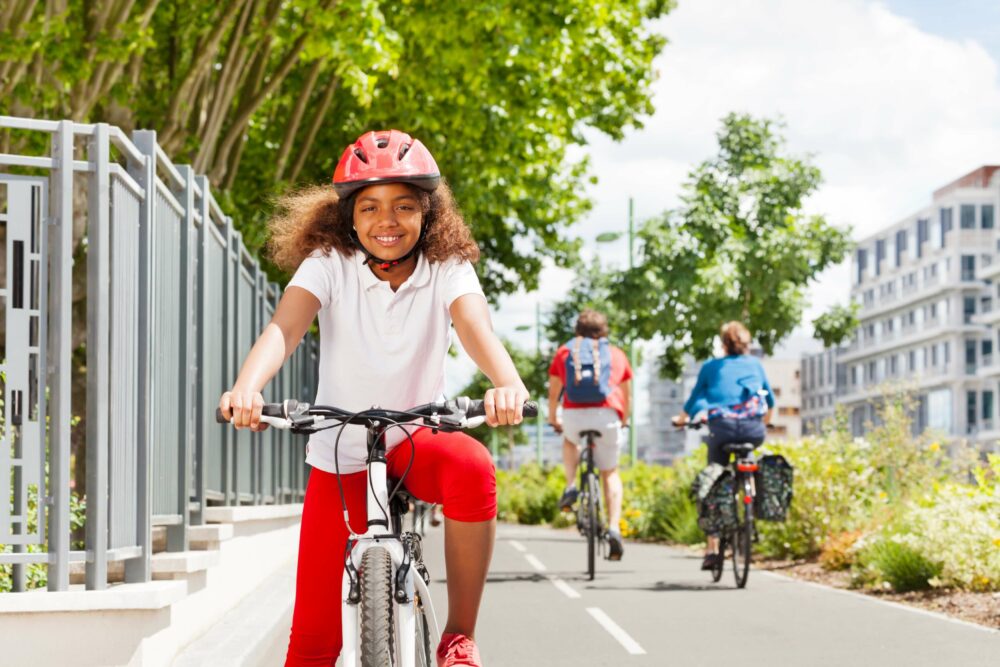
<point>384,259</point>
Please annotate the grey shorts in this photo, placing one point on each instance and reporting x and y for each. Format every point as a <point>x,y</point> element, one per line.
<point>603,420</point>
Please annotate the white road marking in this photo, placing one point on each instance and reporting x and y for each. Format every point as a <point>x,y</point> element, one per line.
<point>565,588</point>
<point>535,563</point>
<point>517,545</point>
<point>615,630</point>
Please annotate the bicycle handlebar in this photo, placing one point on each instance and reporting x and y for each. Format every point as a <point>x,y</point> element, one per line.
<point>291,413</point>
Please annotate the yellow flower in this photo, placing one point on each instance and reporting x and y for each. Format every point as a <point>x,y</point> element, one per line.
<point>935,446</point>
<point>882,495</point>
<point>996,541</point>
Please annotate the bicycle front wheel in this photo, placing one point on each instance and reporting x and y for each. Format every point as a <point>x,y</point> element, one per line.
<point>743,544</point>
<point>377,648</point>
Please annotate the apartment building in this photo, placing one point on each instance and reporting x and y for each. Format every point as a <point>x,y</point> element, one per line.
<point>823,376</point>
<point>926,307</point>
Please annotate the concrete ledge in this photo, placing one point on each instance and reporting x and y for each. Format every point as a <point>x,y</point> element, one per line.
<point>209,536</point>
<point>252,513</point>
<point>151,595</point>
<point>168,563</point>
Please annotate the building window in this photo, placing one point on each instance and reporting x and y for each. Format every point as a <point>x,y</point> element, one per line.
<point>945,225</point>
<point>879,256</point>
<point>968,309</point>
<point>968,267</point>
<point>986,216</point>
<point>970,357</point>
<point>862,261</point>
<point>987,406</point>
<point>967,214</point>
<point>912,365</point>
<point>970,410</point>
<point>923,235</point>
<point>900,246</point>
<point>947,352</point>
<point>788,412</point>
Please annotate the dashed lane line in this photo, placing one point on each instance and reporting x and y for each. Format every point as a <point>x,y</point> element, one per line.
<point>517,545</point>
<point>616,631</point>
<point>565,588</point>
<point>535,563</point>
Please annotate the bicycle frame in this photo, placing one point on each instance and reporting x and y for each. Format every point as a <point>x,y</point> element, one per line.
<point>379,533</point>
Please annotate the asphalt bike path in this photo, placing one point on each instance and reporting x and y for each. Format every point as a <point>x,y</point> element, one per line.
<point>656,607</point>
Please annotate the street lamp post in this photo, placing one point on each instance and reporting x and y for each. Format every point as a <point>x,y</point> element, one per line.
<point>606,237</point>
<point>538,354</point>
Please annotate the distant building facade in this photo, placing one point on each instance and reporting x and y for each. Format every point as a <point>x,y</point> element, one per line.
<point>823,376</point>
<point>926,290</point>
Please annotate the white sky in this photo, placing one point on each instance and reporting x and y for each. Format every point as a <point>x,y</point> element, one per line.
<point>888,110</point>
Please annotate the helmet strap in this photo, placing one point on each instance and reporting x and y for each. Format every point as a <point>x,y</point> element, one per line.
<point>387,264</point>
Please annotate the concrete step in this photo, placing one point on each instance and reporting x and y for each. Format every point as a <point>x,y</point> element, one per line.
<point>250,633</point>
<point>180,564</point>
<point>209,536</point>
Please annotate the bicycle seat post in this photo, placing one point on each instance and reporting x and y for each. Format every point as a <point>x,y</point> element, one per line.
<point>378,488</point>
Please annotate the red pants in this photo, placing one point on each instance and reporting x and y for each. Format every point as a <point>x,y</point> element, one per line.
<point>450,469</point>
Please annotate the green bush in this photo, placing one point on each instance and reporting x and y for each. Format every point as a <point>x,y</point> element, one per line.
<point>895,562</point>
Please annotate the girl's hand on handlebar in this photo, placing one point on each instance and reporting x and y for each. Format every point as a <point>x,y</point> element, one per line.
<point>679,420</point>
<point>242,408</point>
<point>504,404</point>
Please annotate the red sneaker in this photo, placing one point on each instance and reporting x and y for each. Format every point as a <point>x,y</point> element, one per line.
<point>457,650</point>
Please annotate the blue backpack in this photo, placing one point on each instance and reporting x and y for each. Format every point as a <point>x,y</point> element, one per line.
<point>588,370</point>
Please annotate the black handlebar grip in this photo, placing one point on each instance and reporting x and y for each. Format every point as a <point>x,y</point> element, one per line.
<point>273,410</point>
<point>269,410</point>
<point>477,409</point>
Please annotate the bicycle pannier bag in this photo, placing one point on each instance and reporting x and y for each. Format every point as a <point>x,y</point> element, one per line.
<point>713,492</point>
<point>588,370</point>
<point>773,480</point>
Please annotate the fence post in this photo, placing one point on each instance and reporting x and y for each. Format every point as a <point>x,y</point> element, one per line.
<point>177,534</point>
<point>140,569</point>
<point>60,356</point>
<point>202,421</point>
<point>98,288</point>
<point>231,277</point>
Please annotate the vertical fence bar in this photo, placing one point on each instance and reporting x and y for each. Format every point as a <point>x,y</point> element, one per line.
<point>60,355</point>
<point>140,569</point>
<point>202,421</point>
<point>98,273</point>
<point>177,534</point>
<point>230,278</point>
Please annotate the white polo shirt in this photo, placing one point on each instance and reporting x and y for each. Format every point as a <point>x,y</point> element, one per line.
<point>378,347</point>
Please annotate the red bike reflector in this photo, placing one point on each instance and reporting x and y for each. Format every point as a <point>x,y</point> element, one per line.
<point>746,467</point>
<point>747,500</point>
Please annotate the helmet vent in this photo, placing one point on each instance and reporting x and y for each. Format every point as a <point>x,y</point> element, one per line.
<point>403,150</point>
<point>382,142</point>
<point>361,155</point>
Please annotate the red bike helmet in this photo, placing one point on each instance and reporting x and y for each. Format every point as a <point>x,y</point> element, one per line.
<point>385,157</point>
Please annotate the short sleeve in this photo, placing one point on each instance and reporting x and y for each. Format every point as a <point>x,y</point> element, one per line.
<point>316,276</point>
<point>558,366</point>
<point>459,279</point>
<point>626,366</point>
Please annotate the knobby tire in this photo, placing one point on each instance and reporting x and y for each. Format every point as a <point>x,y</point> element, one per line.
<point>376,611</point>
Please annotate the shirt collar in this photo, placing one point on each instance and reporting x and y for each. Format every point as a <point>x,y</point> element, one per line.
<point>421,274</point>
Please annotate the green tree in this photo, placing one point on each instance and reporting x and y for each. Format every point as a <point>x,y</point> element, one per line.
<point>740,247</point>
<point>837,324</point>
<point>262,94</point>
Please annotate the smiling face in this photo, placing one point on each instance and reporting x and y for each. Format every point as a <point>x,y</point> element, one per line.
<point>387,219</point>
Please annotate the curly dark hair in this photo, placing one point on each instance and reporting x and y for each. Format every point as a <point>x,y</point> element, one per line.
<point>315,218</point>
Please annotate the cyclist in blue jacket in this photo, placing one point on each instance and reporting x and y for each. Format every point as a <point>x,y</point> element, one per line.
<point>734,393</point>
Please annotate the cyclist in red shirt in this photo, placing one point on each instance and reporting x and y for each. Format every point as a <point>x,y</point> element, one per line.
<point>605,416</point>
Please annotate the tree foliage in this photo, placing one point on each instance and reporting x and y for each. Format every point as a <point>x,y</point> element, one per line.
<point>740,247</point>
<point>264,94</point>
<point>837,324</point>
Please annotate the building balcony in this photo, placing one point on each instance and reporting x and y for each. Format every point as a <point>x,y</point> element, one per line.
<point>929,331</point>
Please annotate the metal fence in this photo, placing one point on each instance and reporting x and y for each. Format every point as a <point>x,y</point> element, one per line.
<point>174,302</point>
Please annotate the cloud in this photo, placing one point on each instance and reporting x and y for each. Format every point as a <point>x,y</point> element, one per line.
<point>889,112</point>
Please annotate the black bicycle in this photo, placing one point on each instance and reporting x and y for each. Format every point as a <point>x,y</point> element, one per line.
<point>590,517</point>
<point>738,539</point>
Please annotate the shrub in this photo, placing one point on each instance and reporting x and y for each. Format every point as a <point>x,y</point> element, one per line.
<point>838,552</point>
<point>894,561</point>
